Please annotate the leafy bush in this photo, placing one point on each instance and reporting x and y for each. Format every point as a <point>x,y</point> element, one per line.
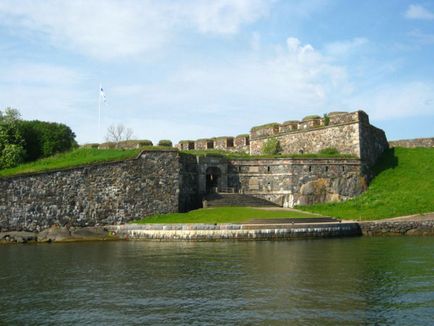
<point>11,155</point>
<point>311,117</point>
<point>329,151</point>
<point>43,139</point>
<point>271,147</point>
<point>326,119</point>
<point>165,142</point>
<point>145,142</point>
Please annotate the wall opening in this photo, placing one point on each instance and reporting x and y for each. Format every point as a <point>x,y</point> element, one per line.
<point>213,174</point>
<point>209,144</point>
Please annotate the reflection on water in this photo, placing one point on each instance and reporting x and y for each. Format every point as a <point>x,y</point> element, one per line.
<point>340,281</point>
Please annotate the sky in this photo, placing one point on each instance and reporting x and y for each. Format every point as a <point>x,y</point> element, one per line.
<point>201,68</point>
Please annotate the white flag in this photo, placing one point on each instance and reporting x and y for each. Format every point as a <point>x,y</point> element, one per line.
<point>102,94</point>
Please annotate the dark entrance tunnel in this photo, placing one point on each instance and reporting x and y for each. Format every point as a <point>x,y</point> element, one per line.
<point>213,175</point>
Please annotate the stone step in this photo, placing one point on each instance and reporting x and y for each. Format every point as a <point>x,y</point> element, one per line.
<point>221,200</point>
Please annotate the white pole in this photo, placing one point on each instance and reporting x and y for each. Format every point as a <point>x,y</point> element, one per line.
<point>99,113</point>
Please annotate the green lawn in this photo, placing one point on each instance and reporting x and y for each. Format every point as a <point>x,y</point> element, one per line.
<point>404,185</point>
<point>222,215</point>
<point>74,158</point>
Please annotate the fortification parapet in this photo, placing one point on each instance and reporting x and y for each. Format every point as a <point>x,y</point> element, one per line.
<point>242,143</point>
<point>224,143</point>
<point>347,132</point>
<point>269,129</point>
<point>185,145</point>
<point>204,144</point>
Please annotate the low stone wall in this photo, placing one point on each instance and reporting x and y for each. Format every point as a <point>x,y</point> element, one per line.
<point>412,143</point>
<point>102,194</point>
<point>211,232</point>
<point>412,227</point>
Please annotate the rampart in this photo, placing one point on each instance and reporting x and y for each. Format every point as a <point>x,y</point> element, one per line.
<point>412,143</point>
<point>109,193</point>
<point>348,133</point>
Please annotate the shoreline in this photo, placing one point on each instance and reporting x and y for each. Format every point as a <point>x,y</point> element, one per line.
<point>415,225</point>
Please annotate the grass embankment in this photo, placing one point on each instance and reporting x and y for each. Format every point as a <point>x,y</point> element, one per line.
<point>404,185</point>
<point>223,215</point>
<point>78,157</point>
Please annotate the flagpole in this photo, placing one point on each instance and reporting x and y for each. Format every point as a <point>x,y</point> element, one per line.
<point>99,113</point>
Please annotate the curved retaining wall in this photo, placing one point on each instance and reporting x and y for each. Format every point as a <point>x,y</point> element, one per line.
<point>414,227</point>
<point>207,232</point>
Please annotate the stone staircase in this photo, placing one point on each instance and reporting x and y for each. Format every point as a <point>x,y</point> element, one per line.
<point>227,199</point>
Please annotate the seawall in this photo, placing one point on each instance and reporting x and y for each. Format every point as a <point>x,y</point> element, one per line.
<point>211,232</point>
<point>100,194</point>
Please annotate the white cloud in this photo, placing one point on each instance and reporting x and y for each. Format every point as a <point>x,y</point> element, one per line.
<point>419,12</point>
<point>223,16</point>
<point>340,49</point>
<point>398,100</point>
<point>113,28</point>
<point>421,37</point>
<point>290,83</point>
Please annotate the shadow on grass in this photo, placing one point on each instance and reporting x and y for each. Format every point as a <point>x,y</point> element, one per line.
<point>387,161</point>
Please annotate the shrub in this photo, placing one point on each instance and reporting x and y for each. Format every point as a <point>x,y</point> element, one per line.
<point>329,151</point>
<point>165,142</point>
<point>43,139</point>
<point>11,156</point>
<point>145,142</point>
<point>271,147</point>
<point>326,119</point>
<point>311,117</point>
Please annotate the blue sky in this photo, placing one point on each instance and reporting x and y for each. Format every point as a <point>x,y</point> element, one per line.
<point>194,68</point>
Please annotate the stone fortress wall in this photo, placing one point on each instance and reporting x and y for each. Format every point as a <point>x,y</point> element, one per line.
<point>413,143</point>
<point>168,181</point>
<point>349,133</point>
<point>100,194</point>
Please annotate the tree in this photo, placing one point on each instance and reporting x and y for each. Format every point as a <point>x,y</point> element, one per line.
<point>118,133</point>
<point>10,115</point>
<point>271,147</point>
<point>11,139</point>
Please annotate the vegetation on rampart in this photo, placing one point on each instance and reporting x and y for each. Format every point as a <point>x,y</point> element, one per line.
<point>404,185</point>
<point>78,157</point>
<point>265,126</point>
<point>245,156</point>
<point>26,141</point>
<point>214,215</point>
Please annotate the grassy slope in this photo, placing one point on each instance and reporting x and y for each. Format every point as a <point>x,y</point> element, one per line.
<point>74,158</point>
<point>404,185</point>
<point>222,215</point>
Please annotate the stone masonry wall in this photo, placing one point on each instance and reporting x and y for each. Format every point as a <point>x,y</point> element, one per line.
<point>345,138</point>
<point>412,143</point>
<point>100,194</point>
<point>290,182</point>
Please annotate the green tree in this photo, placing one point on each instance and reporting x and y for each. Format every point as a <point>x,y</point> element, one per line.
<point>11,155</point>
<point>12,143</point>
<point>271,147</point>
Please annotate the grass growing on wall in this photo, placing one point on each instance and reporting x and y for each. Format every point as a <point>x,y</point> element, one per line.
<point>78,157</point>
<point>404,185</point>
<point>245,156</point>
<point>215,215</point>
